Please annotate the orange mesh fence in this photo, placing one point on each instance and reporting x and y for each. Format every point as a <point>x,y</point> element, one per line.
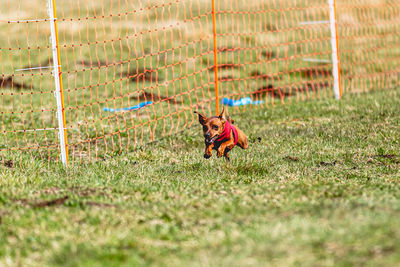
<point>27,108</point>
<point>275,50</point>
<point>369,44</point>
<point>134,71</point>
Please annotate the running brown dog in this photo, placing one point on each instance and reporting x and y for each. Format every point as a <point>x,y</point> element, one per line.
<point>220,134</point>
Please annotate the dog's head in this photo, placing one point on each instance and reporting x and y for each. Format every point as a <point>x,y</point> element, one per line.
<point>213,126</point>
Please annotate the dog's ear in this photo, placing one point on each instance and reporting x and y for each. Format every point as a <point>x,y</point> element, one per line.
<point>222,115</point>
<point>202,118</point>
<point>228,118</point>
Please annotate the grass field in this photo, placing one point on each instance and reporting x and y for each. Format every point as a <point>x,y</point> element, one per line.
<point>319,185</point>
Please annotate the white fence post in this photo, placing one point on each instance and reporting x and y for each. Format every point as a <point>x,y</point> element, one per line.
<point>62,133</point>
<point>335,52</point>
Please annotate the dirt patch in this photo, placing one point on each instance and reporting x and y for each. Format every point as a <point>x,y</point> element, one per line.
<point>258,75</point>
<point>85,191</point>
<point>263,90</point>
<point>227,49</point>
<point>265,53</point>
<point>95,63</point>
<point>58,201</point>
<point>313,73</point>
<point>268,54</point>
<point>143,75</point>
<point>226,66</point>
<point>226,78</point>
<point>8,81</point>
<point>98,204</point>
<point>323,163</point>
<point>78,190</point>
<point>383,159</point>
<point>146,96</point>
<point>49,203</point>
<point>256,140</point>
<point>9,163</point>
<point>291,158</point>
<point>270,26</point>
<point>316,85</point>
<point>269,89</point>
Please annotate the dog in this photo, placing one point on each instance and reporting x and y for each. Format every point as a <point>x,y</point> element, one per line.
<point>220,134</point>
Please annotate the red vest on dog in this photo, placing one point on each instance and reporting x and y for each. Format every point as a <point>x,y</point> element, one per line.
<point>226,134</point>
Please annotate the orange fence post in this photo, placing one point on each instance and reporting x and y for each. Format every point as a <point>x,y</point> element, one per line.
<point>215,59</point>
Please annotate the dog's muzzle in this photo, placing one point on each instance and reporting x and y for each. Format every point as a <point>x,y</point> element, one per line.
<point>211,140</point>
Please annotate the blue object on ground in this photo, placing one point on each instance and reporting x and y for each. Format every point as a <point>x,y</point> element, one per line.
<point>141,105</point>
<point>240,102</point>
<point>258,102</point>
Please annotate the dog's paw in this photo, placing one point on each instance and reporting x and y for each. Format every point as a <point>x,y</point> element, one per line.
<point>207,156</point>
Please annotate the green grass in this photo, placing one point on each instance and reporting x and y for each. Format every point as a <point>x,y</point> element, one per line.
<point>319,185</point>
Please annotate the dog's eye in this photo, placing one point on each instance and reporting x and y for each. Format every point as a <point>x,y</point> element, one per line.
<point>204,128</point>
<point>215,127</point>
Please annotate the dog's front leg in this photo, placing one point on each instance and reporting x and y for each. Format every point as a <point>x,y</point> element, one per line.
<point>208,152</point>
<point>226,155</point>
<point>221,150</point>
<point>225,148</point>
